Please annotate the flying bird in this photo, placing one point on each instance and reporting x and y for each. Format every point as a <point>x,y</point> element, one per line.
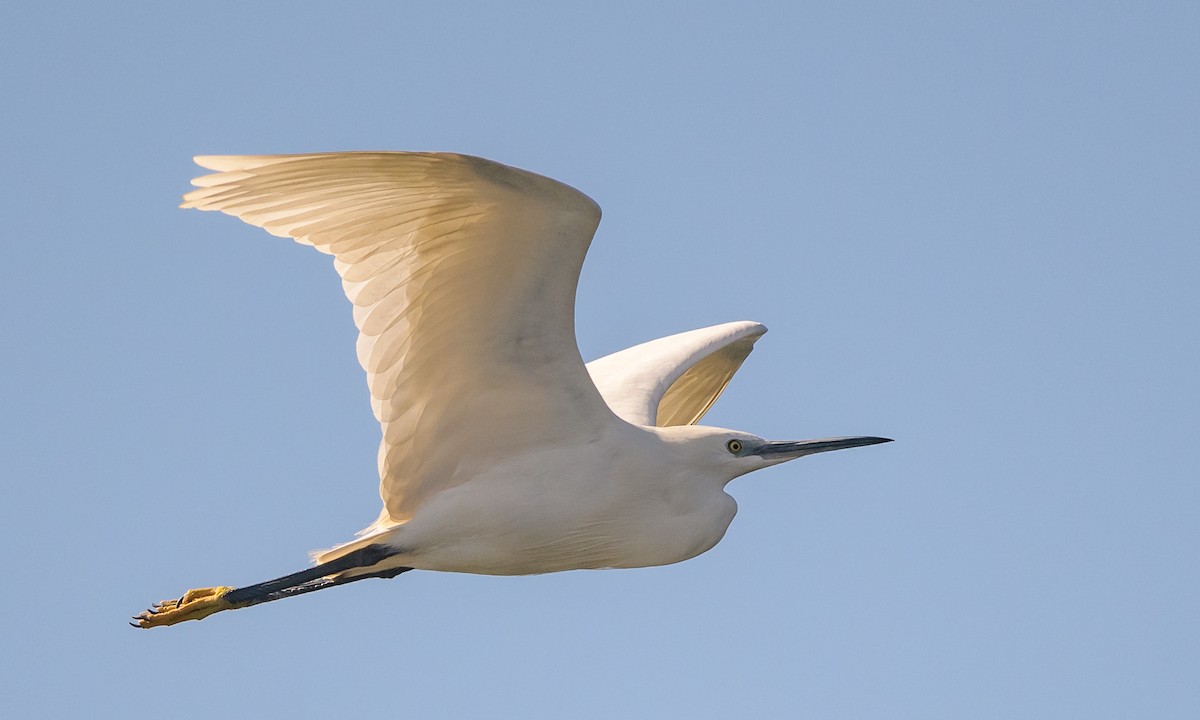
<point>502,452</point>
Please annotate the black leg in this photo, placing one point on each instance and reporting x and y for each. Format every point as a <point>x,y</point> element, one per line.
<point>314,578</point>
<point>311,586</point>
<point>199,603</point>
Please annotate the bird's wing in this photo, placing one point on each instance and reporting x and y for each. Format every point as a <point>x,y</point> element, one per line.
<point>676,379</point>
<point>462,273</point>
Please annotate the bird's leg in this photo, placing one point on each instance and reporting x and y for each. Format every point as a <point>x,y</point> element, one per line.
<point>199,603</point>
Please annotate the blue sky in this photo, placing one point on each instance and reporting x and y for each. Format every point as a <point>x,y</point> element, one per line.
<point>971,228</point>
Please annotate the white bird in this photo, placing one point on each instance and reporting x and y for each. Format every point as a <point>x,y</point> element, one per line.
<point>502,452</point>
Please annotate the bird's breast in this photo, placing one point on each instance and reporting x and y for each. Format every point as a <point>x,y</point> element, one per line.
<point>539,519</point>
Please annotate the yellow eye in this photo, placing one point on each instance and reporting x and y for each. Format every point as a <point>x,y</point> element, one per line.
<point>734,446</point>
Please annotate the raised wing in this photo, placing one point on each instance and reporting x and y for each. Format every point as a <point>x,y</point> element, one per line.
<point>676,379</point>
<point>462,273</point>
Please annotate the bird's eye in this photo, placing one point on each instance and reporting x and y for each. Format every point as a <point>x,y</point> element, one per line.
<point>734,446</point>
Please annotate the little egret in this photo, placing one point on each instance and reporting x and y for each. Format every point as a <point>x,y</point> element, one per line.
<point>502,452</point>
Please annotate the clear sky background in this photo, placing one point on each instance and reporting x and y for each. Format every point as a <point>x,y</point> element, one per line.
<point>971,228</point>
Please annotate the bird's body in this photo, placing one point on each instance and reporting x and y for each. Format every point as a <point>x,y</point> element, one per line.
<point>502,453</point>
<point>571,507</point>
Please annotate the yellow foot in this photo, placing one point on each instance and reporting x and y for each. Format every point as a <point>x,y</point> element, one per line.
<point>194,605</point>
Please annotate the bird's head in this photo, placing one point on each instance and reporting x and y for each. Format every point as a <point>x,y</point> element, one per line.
<point>732,453</point>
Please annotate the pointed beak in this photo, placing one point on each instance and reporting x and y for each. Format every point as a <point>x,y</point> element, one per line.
<point>779,451</point>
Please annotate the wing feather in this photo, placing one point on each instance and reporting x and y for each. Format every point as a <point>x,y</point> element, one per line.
<point>676,379</point>
<point>462,276</point>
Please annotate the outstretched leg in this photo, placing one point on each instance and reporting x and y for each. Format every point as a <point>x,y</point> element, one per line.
<point>200,603</point>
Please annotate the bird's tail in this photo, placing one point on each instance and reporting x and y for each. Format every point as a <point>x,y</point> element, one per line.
<point>364,537</point>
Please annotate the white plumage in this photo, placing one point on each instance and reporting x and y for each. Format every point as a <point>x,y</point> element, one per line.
<point>502,453</point>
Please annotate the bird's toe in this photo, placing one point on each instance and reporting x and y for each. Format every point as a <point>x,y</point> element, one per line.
<point>195,604</point>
